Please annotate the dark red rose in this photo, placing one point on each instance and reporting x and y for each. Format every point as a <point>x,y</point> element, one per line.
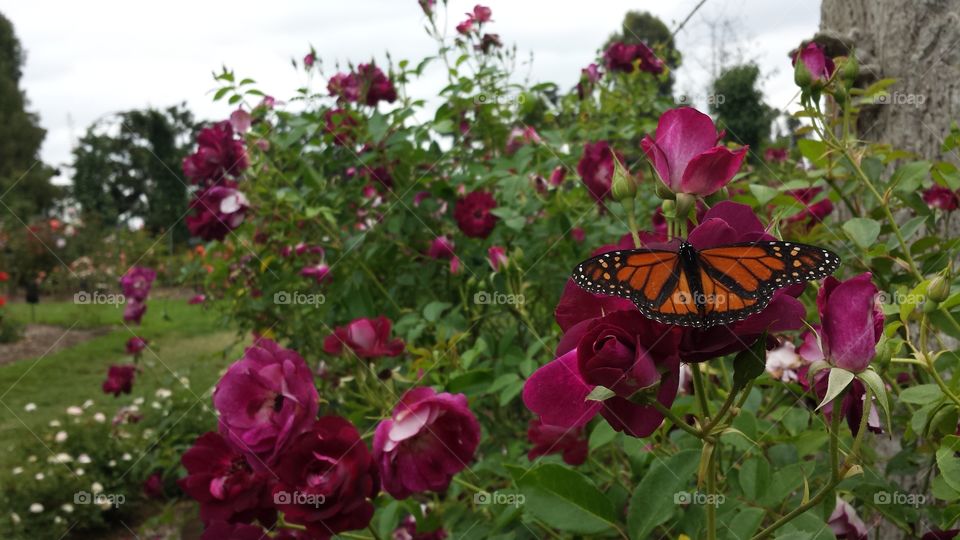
<point>489,42</point>
<point>811,213</point>
<point>940,197</point>
<point>119,379</point>
<point>217,210</point>
<point>133,311</point>
<point>327,479</point>
<point>367,338</point>
<point>621,57</point>
<point>776,155</point>
<point>473,214</point>
<point>340,124</point>
<point>153,486</point>
<point>481,14</point>
<point>219,156</point>
<point>596,169</point>
<point>221,480</point>
<point>344,86</point>
<point>377,86</point>
<point>570,442</point>
<point>135,345</point>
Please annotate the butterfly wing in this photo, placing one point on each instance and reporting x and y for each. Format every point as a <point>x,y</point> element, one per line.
<point>647,277</point>
<point>739,280</point>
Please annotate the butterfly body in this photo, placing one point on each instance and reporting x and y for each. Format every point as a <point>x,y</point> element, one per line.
<point>703,288</point>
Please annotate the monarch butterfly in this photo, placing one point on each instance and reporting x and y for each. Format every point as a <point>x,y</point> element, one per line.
<point>703,288</point>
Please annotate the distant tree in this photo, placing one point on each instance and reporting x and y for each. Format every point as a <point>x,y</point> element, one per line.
<point>128,166</point>
<point>642,26</point>
<point>737,102</point>
<point>25,188</point>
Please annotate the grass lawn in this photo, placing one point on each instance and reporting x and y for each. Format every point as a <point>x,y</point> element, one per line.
<point>184,341</point>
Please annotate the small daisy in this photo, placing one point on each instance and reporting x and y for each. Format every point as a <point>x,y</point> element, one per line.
<point>100,417</point>
<point>68,508</point>
<point>97,487</point>
<point>15,518</point>
<point>74,411</point>
<point>17,470</point>
<point>39,476</point>
<point>36,508</point>
<point>61,436</point>
<point>163,393</point>
<point>87,404</point>
<point>30,407</point>
<point>84,458</point>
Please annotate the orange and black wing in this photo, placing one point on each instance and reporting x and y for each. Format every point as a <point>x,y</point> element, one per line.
<point>652,279</point>
<point>738,280</point>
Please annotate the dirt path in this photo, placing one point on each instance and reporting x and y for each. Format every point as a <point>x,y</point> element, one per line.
<point>43,339</point>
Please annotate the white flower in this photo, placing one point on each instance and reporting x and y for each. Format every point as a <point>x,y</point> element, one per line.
<point>126,456</point>
<point>61,436</point>
<point>17,470</point>
<point>57,519</point>
<point>54,423</point>
<point>134,407</point>
<point>68,508</point>
<point>100,417</point>
<point>79,472</point>
<point>163,393</point>
<point>138,401</point>
<point>185,382</point>
<point>29,407</point>
<point>62,457</point>
<point>84,458</point>
<point>39,476</point>
<point>97,487</point>
<point>87,404</point>
<point>32,459</point>
<point>156,405</point>
<point>112,463</point>
<point>74,411</point>
<point>36,508</point>
<point>14,518</point>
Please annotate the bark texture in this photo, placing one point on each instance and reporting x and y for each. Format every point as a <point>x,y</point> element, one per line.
<point>916,42</point>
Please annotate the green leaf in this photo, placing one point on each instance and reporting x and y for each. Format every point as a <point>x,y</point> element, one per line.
<point>433,310</point>
<point>653,499</point>
<point>764,194</point>
<point>566,500</point>
<point>921,394</point>
<point>872,379</point>
<point>754,478</point>
<point>750,363</point>
<point>838,380</point>
<point>863,231</point>
<point>910,176</point>
<point>600,393</point>
<point>601,435</point>
<point>948,462</point>
<point>814,151</point>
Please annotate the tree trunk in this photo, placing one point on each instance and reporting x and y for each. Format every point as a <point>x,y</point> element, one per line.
<point>915,42</point>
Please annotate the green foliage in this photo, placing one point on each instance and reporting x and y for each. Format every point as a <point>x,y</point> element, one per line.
<point>739,108</point>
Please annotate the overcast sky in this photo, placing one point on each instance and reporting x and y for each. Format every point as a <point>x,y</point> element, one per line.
<point>88,59</point>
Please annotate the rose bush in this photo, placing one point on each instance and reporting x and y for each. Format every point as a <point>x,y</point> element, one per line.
<point>422,365</point>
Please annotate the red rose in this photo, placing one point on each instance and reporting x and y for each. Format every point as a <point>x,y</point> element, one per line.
<point>473,214</point>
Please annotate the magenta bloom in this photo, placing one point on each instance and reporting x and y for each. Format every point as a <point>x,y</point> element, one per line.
<point>135,345</point>
<point>521,137</point>
<point>546,439</point>
<point>845,523</point>
<point>217,210</point>
<point>220,479</point>
<point>197,299</point>
<point>851,320</point>
<point>137,281</point>
<point>376,85</point>
<point>481,14</point>
<point>219,156</point>
<point>815,61</point>
<point>309,60</point>
<point>240,121</point>
<point>429,438</point>
<point>851,406</point>
<point>133,311</point>
<point>473,214</point>
<point>812,213</point>
<point>441,248</point>
<point>776,155</point>
<point>622,57</point>
<point>344,86</point>
<point>367,338</point>
<point>318,272</point>
<point>942,198</point>
<point>265,399</point>
<point>596,169</point>
<point>686,154</point>
<point>589,76</point>
<point>327,479</point>
<point>497,256</point>
<point>558,175</point>
<point>341,125</point>
<point>465,26</point>
<point>119,379</point>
